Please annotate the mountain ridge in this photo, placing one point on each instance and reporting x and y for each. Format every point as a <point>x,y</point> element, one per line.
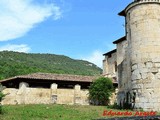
<point>18,63</point>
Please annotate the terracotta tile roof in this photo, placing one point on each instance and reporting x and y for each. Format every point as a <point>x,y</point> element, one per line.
<point>51,76</point>
<point>59,77</point>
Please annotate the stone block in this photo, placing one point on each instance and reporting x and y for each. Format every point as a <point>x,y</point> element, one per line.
<point>144,75</point>
<point>141,65</point>
<point>134,67</point>
<point>156,84</point>
<point>158,75</point>
<point>157,59</point>
<point>143,100</point>
<point>151,76</point>
<point>149,64</point>
<point>137,100</point>
<point>22,88</point>
<point>154,100</point>
<point>137,86</point>
<point>148,86</point>
<point>136,71</point>
<point>23,84</point>
<point>143,70</point>
<point>54,86</point>
<point>148,105</point>
<point>77,87</point>
<point>157,65</point>
<point>134,86</point>
<point>154,70</point>
<point>139,105</point>
<point>136,76</point>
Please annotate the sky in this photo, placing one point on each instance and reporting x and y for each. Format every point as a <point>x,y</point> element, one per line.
<point>79,29</point>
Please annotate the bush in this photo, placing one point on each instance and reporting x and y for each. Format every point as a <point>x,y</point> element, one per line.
<point>114,106</point>
<point>1,97</point>
<point>100,91</point>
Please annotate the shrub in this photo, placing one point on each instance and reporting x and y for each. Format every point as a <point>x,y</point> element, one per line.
<point>100,91</point>
<point>1,97</point>
<point>114,106</point>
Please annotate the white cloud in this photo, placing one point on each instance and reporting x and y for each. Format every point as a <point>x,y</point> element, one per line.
<point>17,17</point>
<point>96,57</point>
<point>17,48</point>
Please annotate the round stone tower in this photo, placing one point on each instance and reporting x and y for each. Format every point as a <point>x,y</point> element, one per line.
<point>143,35</point>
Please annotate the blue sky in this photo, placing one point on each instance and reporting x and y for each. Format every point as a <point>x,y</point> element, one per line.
<point>80,29</point>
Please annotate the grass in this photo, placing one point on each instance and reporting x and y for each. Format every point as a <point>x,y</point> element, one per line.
<point>55,112</point>
<point>51,112</point>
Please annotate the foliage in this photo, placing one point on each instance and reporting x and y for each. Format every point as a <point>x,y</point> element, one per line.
<point>15,63</point>
<point>52,112</point>
<point>100,91</point>
<point>114,106</point>
<point>1,97</point>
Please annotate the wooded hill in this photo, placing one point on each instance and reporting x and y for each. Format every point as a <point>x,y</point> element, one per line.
<point>15,63</point>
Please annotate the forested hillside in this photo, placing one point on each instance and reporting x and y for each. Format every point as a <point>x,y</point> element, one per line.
<point>15,63</point>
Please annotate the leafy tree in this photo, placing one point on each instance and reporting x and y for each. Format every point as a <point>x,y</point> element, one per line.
<point>100,91</point>
<point>1,96</point>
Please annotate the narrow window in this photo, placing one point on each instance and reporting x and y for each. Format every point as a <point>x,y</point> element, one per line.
<point>115,66</point>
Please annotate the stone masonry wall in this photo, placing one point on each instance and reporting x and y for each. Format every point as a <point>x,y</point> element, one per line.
<point>26,95</point>
<point>143,35</point>
<point>109,66</point>
<point>122,69</point>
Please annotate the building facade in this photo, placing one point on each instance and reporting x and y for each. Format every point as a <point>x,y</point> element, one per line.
<point>138,56</point>
<point>47,88</point>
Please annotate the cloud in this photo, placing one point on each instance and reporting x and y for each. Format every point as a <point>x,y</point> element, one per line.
<point>17,17</point>
<point>17,48</point>
<point>96,57</point>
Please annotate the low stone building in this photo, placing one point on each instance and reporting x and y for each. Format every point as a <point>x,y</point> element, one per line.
<point>46,88</point>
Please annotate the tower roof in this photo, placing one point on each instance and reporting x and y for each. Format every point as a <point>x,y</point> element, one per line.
<point>136,2</point>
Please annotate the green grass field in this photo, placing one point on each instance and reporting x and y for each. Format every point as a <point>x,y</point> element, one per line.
<point>57,112</point>
<point>51,112</point>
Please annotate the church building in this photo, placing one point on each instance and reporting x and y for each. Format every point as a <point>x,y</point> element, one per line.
<point>135,62</point>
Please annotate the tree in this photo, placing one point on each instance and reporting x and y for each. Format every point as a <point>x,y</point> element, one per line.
<point>1,96</point>
<point>100,91</point>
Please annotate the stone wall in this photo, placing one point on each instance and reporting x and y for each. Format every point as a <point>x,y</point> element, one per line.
<point>122,76</point>
<point>113,98</point>
<point>54,95</point>
<point>143,35</point>
<point>26,95</point>
<point>109,65</point>
<point>122,64</point>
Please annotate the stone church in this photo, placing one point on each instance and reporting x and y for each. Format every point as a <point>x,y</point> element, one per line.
<point>135,62</point>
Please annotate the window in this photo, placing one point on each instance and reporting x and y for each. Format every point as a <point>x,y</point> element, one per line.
<point>115,66</point>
